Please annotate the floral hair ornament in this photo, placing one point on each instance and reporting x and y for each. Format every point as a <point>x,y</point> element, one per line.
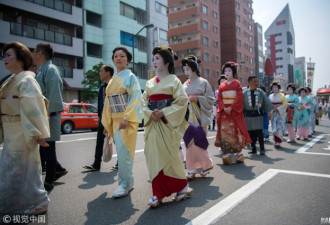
<point>164,47</point>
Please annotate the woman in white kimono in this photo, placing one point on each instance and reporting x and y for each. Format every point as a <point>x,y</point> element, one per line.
<point>278,114</point>
<point>24,125</point>
<point>201,99</point>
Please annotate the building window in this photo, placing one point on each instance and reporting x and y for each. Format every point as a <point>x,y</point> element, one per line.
<point>290,50</point>
<point>251,50</point>
<point>126,10</point>
<point>278,42</point>
<point>216,44</point>
<point>126,39</point>
<point>239,55</point>
<point>250,16</point>
<point>238,18</point>
<point>238,30</point>
<point>250,5</point>
<point>250,38</point>
<point>94,50</point>
<point>215,1</point>
<point>163,34</point>
<point>205,9</point>
<point>246,69</point>
<point>279,67</point>
<point>206,57</point>
<point>245,23</point>
<point>206,73</point>
<point>216,59</point>
<point>289,38</point>
<point>245,34</point>
<point>251,60</point>
<point>244,11</point>
<point>279,58</point>
<point>238,6</point>
<point>215,14</point>
<point>205,25</point>
<point>246,46</point>
<point>217,73</point>
<point>215,29</point>
<point>239,43</point>
<point>278,50</point>
<point>250,27</point>
<point>205,41</point>
<point>160,8</point>
<point>93,19</point>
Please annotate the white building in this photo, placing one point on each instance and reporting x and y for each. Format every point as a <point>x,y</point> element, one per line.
<point>280,46</point>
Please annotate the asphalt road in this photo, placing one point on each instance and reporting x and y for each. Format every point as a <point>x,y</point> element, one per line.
<point>290,185</point>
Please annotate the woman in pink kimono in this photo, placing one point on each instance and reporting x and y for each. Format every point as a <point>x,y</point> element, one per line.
<point>201,100</point>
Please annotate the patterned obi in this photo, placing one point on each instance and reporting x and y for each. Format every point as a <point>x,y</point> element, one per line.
<point>13,102</point>
<point>290,112</point>
<point>118,102</point>
<point>160,101</point>
<point>228,97</point>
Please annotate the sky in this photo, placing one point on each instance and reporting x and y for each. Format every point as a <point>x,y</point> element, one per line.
<point>311,21</point>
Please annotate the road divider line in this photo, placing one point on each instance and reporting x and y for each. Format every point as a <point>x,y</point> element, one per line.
<point>303,149</point>
<point>219,210</point>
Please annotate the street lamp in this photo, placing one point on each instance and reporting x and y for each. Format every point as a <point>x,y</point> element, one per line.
<point>146,26</point>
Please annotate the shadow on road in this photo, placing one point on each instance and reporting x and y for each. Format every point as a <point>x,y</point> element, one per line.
<point>240,171</point>
<point>105,210</point>
<point>97,178</point>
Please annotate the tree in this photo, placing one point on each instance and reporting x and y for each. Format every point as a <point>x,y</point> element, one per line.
<point>92,83</point>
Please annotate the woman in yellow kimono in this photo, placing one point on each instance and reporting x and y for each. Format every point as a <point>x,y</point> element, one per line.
<point>24,125</point>
<point>121,116</point>
<point>164,104</point>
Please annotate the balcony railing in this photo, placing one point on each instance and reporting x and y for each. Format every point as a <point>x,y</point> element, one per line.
<point>54,4</point>
<point>66,71</point>
<point>39,33</point>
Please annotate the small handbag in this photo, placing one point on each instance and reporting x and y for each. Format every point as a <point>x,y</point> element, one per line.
<point>107,148</point>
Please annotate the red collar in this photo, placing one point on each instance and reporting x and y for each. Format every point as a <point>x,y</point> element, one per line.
<point>157,79</point>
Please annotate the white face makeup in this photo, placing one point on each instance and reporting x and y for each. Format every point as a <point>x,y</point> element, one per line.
<point>229,73</point>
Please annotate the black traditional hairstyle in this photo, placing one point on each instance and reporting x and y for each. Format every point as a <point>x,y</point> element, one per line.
<point>302,89</point>
<point>128,54</point>
<point>232,66</point>
<point>221,78</point>
<point>168,56</point>
<point>291,85</point>
<point>276,83</point>
<point>192,62</point>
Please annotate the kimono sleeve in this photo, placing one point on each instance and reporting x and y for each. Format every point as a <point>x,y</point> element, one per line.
<point>267,106</point>
<point>221,106</point>
<point>133,112</point>
<point>175,113</point>
<point>33,112</point>
<point>146,111</point>
<point>238,104</point>
<point>106,113</point>
<point>207,100</point>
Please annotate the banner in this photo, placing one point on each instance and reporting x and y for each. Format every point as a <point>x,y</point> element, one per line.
<point>310,74</point>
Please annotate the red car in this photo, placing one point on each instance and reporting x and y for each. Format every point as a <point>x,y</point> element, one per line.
<point>79,116</point>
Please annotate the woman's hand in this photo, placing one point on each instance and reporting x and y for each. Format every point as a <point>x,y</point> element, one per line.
<point>158,113</point>
<point>153,117</point>
<point>123,124</point>
<point>42,142</point>
<point>228,110</point>
<point>217,143</point>
<point>193,98</point>
<point>105,131</point>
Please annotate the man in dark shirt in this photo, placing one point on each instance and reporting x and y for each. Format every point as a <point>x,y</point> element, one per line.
<point>106,73</point>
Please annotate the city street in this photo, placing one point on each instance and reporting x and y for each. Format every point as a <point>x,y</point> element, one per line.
<point>287,186</point>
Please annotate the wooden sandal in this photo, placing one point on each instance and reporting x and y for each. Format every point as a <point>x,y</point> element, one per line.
<point>182,196</point>
<point>240,158</point>
<point>207,171</point>
<point>154,202</point>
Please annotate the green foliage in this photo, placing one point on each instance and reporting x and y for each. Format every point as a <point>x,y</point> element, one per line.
<point>92,83</point>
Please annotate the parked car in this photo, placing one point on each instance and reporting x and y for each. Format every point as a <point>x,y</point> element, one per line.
<point>78,116</point>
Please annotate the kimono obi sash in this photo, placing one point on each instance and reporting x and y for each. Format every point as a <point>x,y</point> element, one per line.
<point>118,102</point>
<point>277,104</point>
<point>160,101</point>
<point>13,104</point>
<point>228,97</point>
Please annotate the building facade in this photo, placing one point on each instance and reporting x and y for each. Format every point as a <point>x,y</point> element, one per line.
<point>56,22</point>
<point>194,29</point>
<point>300,72</point>
<point>259,52</point>
<point>108,24</point>
<point>237,36</point>
<point>157,36</point>
<point>280,46</point>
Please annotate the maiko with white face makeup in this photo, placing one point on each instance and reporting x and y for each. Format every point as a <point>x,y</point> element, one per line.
<point>201,100</point>
<point>164,104</point>
<point>233,135</point>
<point>291,118</point>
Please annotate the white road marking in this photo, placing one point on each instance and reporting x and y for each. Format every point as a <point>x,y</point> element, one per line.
<point>226,205</point>
<point>80,139</point>
<point>303,149</point>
